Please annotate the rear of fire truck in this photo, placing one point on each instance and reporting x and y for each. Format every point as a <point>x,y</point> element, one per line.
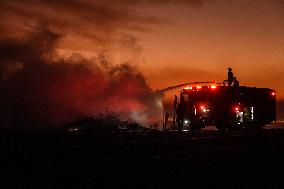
<point>225,107</point>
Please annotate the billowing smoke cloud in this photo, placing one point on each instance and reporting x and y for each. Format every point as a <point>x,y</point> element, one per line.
<point>39,89</point>
<point>101,21</point>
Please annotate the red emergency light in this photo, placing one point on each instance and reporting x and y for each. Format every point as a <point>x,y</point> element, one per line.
<point>197,88</point>
<point>237,109</point>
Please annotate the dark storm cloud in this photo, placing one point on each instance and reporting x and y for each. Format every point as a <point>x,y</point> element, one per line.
<point>46,91</point>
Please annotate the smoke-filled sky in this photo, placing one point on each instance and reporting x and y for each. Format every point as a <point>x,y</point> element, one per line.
<point>170,41</point>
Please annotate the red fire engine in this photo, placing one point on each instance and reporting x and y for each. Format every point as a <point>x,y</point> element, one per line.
<point>224,106</point>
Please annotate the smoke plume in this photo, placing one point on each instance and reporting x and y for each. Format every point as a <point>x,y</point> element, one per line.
<point>40,89</point>
<point>104,22</point>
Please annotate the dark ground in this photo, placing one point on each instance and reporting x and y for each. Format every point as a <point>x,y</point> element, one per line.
<point>143,160</point>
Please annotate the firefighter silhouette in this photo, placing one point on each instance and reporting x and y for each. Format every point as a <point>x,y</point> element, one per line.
<point>230,77</point>
<point>236,82</point>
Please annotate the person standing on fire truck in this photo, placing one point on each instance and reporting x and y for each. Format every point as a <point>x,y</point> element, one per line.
<point>230,78</point>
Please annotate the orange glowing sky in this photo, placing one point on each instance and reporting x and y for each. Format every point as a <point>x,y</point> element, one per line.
<point>171,41</point>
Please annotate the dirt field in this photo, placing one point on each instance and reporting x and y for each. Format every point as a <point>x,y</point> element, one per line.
<point>144,160</point>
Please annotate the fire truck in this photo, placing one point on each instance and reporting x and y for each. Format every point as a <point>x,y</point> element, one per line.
<point>225,107</point>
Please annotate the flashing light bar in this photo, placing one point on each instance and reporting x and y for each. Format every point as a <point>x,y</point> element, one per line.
<point>200,87</point>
